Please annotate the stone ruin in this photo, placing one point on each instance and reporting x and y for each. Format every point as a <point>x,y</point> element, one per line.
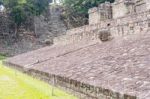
<point>107,59</point>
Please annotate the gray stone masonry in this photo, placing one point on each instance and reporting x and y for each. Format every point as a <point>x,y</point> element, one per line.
<point>107,59</point>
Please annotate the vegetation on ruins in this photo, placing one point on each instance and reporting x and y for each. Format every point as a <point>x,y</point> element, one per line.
<point>33,21</point>
<point>23,11</point>
<point>76,11</point>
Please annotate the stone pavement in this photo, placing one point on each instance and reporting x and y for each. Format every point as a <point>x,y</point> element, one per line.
<point>120,65</point>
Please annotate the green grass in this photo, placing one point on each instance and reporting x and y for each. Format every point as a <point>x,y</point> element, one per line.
<point>15,85</point>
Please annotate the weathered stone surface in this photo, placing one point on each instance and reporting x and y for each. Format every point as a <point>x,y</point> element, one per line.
<point>121,66</point>
<point>127,25</point>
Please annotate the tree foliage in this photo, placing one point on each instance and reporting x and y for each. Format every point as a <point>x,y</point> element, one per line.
<point>81,6</point>
<point>21,10</point>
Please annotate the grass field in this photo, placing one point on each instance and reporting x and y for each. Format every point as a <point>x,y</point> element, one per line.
<point>15,85</point>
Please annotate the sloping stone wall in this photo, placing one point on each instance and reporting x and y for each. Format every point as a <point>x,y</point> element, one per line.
<point>80,89</point>
<point>76,88</point>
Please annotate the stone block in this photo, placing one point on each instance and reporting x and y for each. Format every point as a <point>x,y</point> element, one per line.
<point>119,10</point>
<point>94,17</point>
<point>148,4</point>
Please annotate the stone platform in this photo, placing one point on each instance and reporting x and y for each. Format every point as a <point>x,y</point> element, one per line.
<point>82,63</point>
<point>117,69</point>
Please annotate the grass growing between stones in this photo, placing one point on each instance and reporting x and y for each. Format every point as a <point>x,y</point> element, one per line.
<point>15,85</point>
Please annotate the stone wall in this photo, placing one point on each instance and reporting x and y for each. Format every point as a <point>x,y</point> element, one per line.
<point>127,25</point>
<point>127,17</point>
<point>94,16</point>
<point>84,34</point>
<point>79,89</point>
<point>102,12</point>
<point>76,88</point>
<point>148,4</point>
<point>119,10</point>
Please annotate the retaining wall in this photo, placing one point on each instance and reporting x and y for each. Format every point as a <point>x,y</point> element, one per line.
<point>76,88</point>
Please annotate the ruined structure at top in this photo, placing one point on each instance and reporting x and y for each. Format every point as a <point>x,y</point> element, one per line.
<point>120,18</point>
<point>107,59</point>
<point>121,8</point>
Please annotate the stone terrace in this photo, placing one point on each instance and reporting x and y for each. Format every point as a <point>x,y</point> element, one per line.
<point>121,66</point>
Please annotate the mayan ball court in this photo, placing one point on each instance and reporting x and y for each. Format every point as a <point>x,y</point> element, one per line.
<point>107,59</point>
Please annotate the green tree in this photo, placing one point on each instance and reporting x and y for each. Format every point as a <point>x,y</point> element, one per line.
<point>21,10</point>
<point>37,7</point>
